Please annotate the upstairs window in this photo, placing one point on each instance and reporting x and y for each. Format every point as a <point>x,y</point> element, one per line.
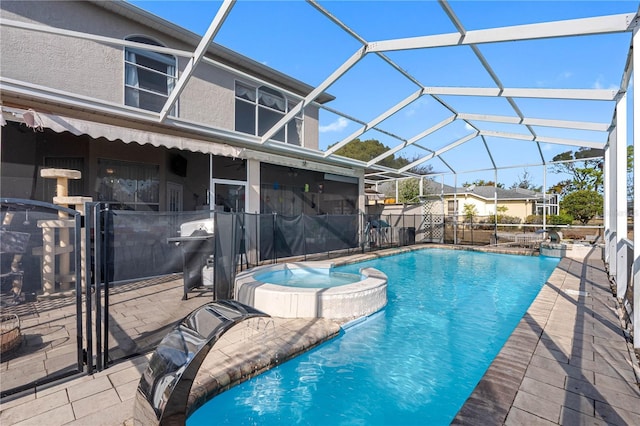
<point>149,77</point>
<point>259,109</point>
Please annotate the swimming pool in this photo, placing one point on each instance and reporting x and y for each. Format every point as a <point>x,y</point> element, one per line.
<point>448,314</point>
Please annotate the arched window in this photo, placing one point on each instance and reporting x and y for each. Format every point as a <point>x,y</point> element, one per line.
<point>149,77</point>
<point>258,109</point>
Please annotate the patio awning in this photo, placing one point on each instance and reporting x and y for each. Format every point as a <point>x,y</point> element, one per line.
<point>76,126</point>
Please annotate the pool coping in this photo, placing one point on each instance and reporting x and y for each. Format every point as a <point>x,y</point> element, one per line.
<point>568,360</point>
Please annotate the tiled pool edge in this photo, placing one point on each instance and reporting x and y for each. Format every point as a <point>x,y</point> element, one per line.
<point>510,392</point>
<point>355,258</point>
<point>493,396</point>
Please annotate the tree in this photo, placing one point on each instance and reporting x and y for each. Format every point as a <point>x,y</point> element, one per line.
<point>525,182</point>
<point>368,150</point>
<point>420,169</point>
<point>560,187</point>
<point>408,190</point>
<point>582,205</point>
<point>482,182</point>
<point>470,211</point>
<point>585,171</point>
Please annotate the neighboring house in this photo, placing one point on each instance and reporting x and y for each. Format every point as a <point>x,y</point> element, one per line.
<point>518,202</point>
<point>81,86</point>
<point>441,199</point>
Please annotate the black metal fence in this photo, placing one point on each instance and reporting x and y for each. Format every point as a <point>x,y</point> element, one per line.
<point>86,291</point>
<point>107,284</point>
<point>42,332</point>
<point>169,263</point>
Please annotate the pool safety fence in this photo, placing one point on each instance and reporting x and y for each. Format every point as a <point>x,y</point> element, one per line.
<point>485,230</point>
<point>42,291</point>
<point>113,282</point>
<point>161,265</point>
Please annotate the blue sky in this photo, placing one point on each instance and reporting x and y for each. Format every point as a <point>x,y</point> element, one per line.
<point>294,38</point>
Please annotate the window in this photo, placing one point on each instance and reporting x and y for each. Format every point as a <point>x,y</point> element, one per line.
<point>258,109</point>
<point>149,77</point>
<point>452,207</point>
<point>128,186</point>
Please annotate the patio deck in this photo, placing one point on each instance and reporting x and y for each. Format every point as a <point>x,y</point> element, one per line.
<point>567,362</point>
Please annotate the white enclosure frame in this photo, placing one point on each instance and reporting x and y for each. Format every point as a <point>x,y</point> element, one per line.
<point>615,218</point>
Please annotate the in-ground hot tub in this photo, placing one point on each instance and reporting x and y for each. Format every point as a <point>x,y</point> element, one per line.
<point>311,290</point>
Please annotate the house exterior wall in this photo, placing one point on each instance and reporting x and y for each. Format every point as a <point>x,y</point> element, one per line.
<point>24,152</point>
<point>84,68</point>
<point>479,204</point>
<point>49,60</point>
<point>516,208</point>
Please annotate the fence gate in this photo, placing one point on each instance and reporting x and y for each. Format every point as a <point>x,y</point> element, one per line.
<point>42,315</point>
<point>432,221</point>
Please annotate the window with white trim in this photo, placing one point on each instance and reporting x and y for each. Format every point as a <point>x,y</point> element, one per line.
<point>452,207</point>
<point>149,77</point>
<point>258,109</point>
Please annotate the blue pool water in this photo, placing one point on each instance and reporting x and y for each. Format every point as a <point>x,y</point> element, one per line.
<point>308,277</point>
<point>415,362</point>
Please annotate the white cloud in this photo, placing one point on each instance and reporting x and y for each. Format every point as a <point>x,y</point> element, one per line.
<point>468,127</point>
<point>564,75</point>
<point>600,84</point>
<point>415,106</point>
<point>340,124</point>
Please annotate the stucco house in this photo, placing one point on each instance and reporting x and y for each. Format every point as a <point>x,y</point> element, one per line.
<point>82,84</point>
<point>441,199</point>
<point>516,202</point>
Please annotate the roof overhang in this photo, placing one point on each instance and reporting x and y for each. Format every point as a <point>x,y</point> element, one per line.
<point>61,111</point>
<point>78,127</point>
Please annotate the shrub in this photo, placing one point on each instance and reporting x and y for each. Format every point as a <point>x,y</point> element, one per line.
<point>535,219</point>
<point>561,219</point>
<point>503,218</point>
<point>583,205</point>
